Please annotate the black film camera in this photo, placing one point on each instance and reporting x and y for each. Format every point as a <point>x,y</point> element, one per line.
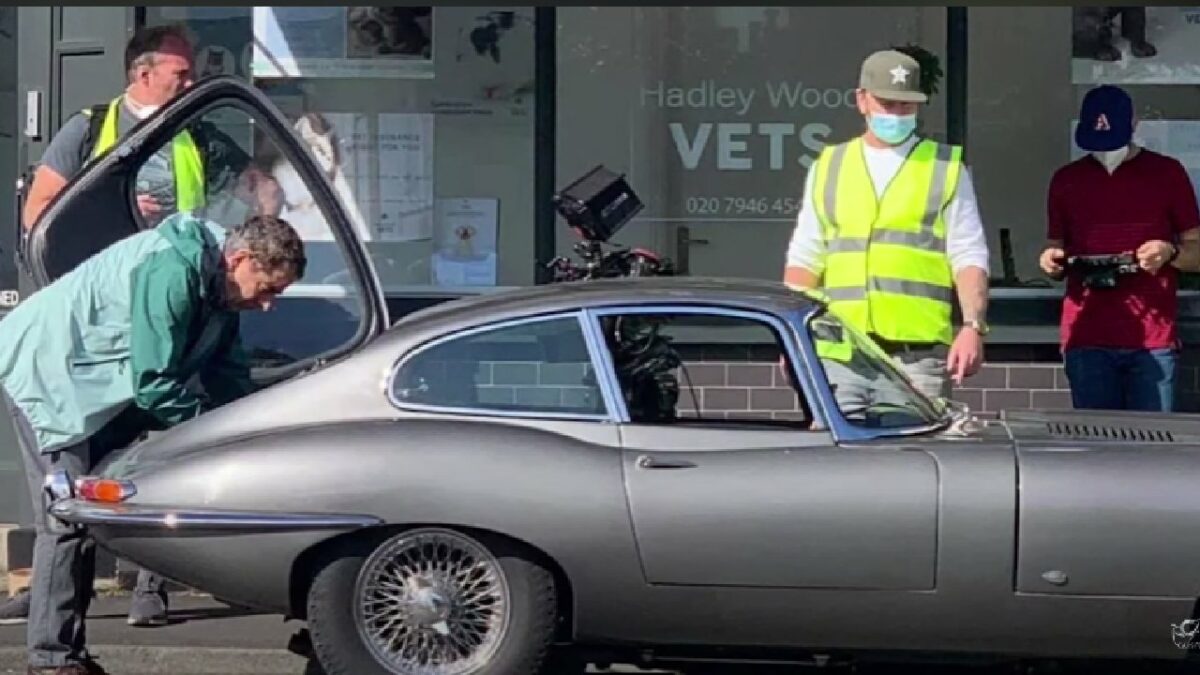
<point>1102,271</point>
<point>596,206</point>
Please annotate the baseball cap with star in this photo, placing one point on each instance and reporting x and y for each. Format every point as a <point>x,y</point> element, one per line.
<point>893,76</point>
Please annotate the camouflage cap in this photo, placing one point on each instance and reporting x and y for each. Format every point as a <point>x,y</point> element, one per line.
<point>893,76</point>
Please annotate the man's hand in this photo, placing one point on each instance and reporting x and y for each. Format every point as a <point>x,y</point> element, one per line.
<point>966,355</point>
<point>1051,261</point>
<point>1153,254</point>
<point>148,205</point>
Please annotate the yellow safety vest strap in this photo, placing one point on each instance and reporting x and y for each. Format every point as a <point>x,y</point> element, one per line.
<point>916,289</point>
<point>189,172</point>
<point>925,239</point>
<point>186,163</point>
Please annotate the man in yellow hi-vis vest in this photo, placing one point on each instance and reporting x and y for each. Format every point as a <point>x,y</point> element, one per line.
<point>158,65</point>
<point>890,232</point>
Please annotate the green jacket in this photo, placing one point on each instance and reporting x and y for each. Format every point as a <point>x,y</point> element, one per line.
<point>131,325</point>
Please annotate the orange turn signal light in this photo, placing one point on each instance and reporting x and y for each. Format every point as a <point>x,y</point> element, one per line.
<point>104,490</point>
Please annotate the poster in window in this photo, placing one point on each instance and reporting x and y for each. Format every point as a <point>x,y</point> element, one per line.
<point>343,148</point>
<point>1135,45</point>
<point>386,42</point>
<point>406,202</point>
<point>1178,139</point>
<point>489,73</point>
<point>465,242</point>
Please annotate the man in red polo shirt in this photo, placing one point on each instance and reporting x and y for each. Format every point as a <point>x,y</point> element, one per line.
<point>1119,343</point>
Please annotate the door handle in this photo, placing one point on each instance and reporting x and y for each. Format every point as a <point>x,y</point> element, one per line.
<point>683,253</point>
<point>648,462</point>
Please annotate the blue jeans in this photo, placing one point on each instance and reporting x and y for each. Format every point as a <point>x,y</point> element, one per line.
<point>1122,379</point>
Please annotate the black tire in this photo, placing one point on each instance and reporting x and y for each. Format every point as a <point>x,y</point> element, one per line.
<point>341,650</point>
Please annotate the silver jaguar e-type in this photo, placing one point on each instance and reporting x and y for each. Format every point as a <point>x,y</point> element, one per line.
<point>533,472</point>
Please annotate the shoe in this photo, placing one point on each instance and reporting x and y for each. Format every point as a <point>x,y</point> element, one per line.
<point>15,610</point>
<point>148,609</point>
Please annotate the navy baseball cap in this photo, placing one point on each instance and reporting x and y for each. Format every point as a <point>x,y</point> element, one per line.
<point>1105,120</point>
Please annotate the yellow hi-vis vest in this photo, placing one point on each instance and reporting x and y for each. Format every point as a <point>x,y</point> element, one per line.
<point>186,163</point>
<point>886,268</point>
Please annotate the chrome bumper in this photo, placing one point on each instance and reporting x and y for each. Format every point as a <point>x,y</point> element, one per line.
<point>80,512</point>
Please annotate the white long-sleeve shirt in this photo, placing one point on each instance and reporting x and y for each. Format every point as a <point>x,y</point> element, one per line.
<point>966,244</point>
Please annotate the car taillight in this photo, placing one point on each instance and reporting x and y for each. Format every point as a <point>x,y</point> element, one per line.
<point>104,490</point>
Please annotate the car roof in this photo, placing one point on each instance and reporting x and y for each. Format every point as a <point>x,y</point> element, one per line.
<point>748,294</point>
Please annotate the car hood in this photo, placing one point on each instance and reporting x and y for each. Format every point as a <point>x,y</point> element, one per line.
<point>1100,426</point>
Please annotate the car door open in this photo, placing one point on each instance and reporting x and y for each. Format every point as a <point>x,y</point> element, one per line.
<point>252,163</point>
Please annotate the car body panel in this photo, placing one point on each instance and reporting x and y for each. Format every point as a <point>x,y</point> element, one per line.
<point>786,518</point>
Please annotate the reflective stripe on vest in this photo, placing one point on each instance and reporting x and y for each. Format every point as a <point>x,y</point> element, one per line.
<point>886,270</point>
<point>185,161</point>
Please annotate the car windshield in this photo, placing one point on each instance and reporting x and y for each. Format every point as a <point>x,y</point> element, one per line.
<point>870,390</point>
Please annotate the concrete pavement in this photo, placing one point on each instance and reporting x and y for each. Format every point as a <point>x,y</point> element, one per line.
<point>205,637</point>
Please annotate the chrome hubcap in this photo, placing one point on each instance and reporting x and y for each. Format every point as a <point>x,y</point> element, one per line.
<point>432,602</point>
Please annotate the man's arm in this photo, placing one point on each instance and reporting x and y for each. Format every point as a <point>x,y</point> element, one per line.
<point>1188,259</point>
<point>162,310</point>
<point>60,161</point>
<point>806,251</point>
<point>226,377</point>
<point>1185,219</point>
<point>967,249</point>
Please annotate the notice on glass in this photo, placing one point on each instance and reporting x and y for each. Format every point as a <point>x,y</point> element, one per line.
<point>465,242</point>
<point>1178,139</point>
<point>343,42</point>
<point>406,202</point>
<point>1135,45</point>
<point>342,146</point>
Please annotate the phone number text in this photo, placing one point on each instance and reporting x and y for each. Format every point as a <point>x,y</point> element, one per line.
<point>742,206</point>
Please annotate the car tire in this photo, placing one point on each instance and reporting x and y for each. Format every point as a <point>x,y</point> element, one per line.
<point>336,616</point>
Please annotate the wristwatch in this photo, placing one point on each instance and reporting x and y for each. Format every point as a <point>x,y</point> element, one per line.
<point>978,325</point>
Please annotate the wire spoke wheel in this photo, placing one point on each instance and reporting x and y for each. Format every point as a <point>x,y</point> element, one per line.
<point>432,602</point>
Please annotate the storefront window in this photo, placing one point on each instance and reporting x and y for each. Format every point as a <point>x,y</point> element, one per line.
<point>421,117</point>
<point>715,114</point>
<point>1024,99</point>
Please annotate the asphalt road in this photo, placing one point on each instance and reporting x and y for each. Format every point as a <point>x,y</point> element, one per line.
<point>204,637</point>
<point>208,638</point>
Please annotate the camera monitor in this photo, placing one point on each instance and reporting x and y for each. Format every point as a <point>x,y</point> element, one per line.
<point>599,203</point>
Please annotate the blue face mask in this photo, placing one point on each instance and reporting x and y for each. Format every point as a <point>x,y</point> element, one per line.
<point>892,129</point>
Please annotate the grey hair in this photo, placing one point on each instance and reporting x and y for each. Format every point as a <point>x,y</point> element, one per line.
<point>272,241</point>
<point>147,42</point>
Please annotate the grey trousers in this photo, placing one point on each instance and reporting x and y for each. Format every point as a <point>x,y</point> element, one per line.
<point>855,389</point>
<point>64,558</point>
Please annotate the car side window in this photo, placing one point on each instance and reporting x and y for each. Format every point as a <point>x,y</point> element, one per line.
<point>669,372</point>
<point>531,367</point>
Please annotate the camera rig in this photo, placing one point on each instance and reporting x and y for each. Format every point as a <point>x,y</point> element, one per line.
<point>595,207</point>
<point>1102,271</point>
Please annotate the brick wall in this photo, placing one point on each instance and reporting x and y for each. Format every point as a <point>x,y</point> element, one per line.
<point>745,383</point>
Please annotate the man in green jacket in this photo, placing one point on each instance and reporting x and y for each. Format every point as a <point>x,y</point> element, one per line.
<point>126,331</point>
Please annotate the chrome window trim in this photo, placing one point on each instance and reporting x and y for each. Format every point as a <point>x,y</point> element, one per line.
<point>404,359</point>
<point>784,331</point>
